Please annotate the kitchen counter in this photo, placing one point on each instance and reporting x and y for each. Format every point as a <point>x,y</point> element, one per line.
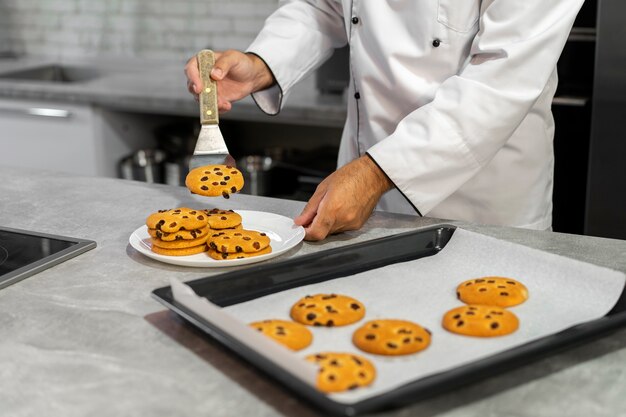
<point>158,87</point>
<point>85,338</point>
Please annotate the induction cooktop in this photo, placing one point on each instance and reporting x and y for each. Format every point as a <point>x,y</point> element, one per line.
<point>24,253</point>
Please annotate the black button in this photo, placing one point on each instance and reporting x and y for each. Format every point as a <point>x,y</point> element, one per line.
<point>436,43</point>
<point>355,20</point>
<point>357,96</point>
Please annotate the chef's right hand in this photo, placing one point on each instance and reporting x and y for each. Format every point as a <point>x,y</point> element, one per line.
<point>237,75</point>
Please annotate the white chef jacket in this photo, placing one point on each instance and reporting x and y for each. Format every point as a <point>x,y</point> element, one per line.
<point>451,98</point>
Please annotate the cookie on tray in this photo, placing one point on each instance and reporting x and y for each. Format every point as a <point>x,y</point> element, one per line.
<point>214,180</point>
<point>293,335</point>
<point>391,337</point>
<point>173,220</point>
<point>327,310</point>
<point>342,371</point>
<point>223,219</point>
<point>236,241</point>
<point>180,235</point>
<point>493,291</point>
<point>220,256</point>
<point>480,321</point>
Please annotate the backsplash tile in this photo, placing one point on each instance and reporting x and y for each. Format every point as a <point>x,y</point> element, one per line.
<point>135,28</point>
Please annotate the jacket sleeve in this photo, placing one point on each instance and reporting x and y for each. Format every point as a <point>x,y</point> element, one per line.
<point>294,41</point>
<point>438,147</point>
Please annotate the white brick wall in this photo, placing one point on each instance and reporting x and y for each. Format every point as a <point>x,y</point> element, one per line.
<point>137,28</point>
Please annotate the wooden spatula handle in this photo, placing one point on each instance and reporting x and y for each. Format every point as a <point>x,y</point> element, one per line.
<point>208,95</point>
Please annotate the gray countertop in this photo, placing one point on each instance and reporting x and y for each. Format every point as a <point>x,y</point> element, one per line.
<point>159,87</point>
<point>85,337</point>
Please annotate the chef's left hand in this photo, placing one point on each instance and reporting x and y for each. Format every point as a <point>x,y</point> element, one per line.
<point>344,200</point>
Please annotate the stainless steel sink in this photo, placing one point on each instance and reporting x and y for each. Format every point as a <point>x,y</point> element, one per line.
<point>53,73</point>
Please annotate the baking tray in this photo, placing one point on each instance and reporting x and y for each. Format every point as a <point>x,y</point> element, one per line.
<point>247,284</point>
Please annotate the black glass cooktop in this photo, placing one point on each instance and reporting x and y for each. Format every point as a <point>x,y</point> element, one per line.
<point>24,253</point>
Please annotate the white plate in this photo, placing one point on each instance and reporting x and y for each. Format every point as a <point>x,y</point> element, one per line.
<point>283,233</point>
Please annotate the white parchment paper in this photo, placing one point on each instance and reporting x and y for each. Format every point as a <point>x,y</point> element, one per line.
<point>563,292</point>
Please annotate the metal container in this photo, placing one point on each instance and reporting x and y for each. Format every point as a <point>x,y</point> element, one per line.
<point>257,172</point>
<point>143,165</point>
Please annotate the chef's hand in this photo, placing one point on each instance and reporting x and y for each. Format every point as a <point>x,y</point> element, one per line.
<point>237,75</point>
<point>344,200</point>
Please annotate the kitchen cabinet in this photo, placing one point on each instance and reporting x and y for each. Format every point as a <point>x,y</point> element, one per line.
<point>68,137</point>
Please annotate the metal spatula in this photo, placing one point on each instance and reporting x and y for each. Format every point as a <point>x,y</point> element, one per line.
<point>210,147</point>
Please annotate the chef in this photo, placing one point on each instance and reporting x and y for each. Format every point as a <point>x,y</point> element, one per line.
<point>449,111</point>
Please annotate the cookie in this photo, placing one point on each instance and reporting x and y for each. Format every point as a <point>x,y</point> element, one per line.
<point>223,219</point>
<point>236,241</point>
<point>220,256</point>
<point>179,244</point>
<point>480,321</point>
<point>327,310</point>
<point>214,180</point>
<point>391,337</point>
<point>181,234</point>
<point>173,220</point>
<point>293,335</point>
<point>492,291</point>
<point>179,252</point>
<point>342,371</point>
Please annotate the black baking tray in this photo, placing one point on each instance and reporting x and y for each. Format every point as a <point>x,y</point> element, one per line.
<point>247,284</point>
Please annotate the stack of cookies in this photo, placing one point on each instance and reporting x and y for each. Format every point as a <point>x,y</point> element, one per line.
<point>178,232</point>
